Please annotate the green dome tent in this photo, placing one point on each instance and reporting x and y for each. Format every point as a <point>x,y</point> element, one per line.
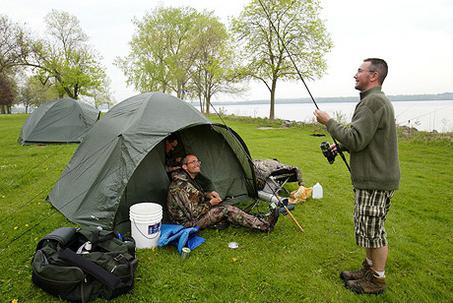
<point>61,121</point>
<point>122,160</point>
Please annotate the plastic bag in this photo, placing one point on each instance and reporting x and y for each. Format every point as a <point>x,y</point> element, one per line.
<point>300,195</point>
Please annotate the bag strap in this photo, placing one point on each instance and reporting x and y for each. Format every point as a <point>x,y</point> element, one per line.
<point>103,276</point>
<point>102,236</point>
<point>95,235</point>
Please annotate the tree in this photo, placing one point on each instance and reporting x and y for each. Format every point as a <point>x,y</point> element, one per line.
<point>162,51</point>
<point>8,93</point>
<point>264,56</point>
<point>65,58</point>
<point>12,38</point>
<point>214,67</point>
<point>102,95</point>
<point>34,92</point>
<point>183,51</point>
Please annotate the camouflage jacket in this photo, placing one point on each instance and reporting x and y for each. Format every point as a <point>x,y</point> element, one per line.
<point>187,202</point>
<point>173,158</point>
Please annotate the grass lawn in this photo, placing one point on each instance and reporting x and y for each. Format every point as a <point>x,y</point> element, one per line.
<point>283,266</point>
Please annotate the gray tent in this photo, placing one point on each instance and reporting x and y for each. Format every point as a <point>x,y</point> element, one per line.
<point>122,160</point>
<point>61,121</point>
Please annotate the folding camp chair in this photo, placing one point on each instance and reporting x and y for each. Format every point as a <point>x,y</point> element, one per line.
<point>277,180</point>
<point>271,177</point>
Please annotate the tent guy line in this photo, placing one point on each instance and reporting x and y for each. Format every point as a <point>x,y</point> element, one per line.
<point>2,249</point>
<point>28,173</point>
<point>38,219</point>
<point>44,189</point>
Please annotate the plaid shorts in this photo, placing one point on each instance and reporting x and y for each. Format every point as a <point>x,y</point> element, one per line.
<point>370,212</point>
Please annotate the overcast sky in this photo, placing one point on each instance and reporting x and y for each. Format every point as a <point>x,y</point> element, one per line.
<point>415,37</point>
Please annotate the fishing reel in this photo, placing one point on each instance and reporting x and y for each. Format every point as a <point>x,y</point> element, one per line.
<point>327,152</point>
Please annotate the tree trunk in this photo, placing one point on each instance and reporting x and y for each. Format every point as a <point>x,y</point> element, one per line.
<point>2,109</point>
<point>76,91</point>
<point>8,109</point>
<point>200,99</point>
<point>271,112</point>
<point>208,98</point>
<point>178,90</point>
<point>208,103</point>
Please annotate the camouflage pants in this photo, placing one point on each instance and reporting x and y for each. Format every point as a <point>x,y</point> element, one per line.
<point>233,215</point>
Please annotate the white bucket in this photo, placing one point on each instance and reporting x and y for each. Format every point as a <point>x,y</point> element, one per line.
<point>145,224</point>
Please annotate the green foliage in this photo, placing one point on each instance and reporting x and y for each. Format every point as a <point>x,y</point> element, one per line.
<point>162,51</point>
<point>63,58</point>
<point>35,92</point>
<point>265,56</point>
<point>283,266</point>
<point>180,50</point>
<point>214,70</point>
<point>67,56</point>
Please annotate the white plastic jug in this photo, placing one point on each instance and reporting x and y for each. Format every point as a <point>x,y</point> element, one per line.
<point>317,191</point>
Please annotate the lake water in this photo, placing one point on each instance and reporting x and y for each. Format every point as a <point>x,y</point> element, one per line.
<point>423,115</point>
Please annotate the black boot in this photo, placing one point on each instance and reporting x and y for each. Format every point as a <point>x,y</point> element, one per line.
<point>273,218</point>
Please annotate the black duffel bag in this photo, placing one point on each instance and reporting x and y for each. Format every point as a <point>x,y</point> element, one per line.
<point>82,264</point>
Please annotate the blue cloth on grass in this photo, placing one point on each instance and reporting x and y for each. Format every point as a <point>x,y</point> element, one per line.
<point>180,236</point>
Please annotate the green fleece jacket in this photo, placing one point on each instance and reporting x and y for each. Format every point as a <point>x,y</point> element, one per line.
<point>371,141</point>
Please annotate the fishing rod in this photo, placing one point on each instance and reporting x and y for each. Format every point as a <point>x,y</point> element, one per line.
<point>340,152</point>
<point>249,158</point>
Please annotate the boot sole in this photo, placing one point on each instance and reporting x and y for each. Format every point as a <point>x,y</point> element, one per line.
<point>345,279</point>
<point>360,291</point>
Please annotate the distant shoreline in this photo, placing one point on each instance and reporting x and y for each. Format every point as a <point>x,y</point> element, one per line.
<point>430,97</point>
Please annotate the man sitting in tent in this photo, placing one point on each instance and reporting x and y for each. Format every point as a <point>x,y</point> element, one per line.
<point>174,153</point>
<point>190,204</point>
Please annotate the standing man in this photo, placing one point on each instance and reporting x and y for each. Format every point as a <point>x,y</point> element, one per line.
<point>372,143</point>
<point>190,204</point>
